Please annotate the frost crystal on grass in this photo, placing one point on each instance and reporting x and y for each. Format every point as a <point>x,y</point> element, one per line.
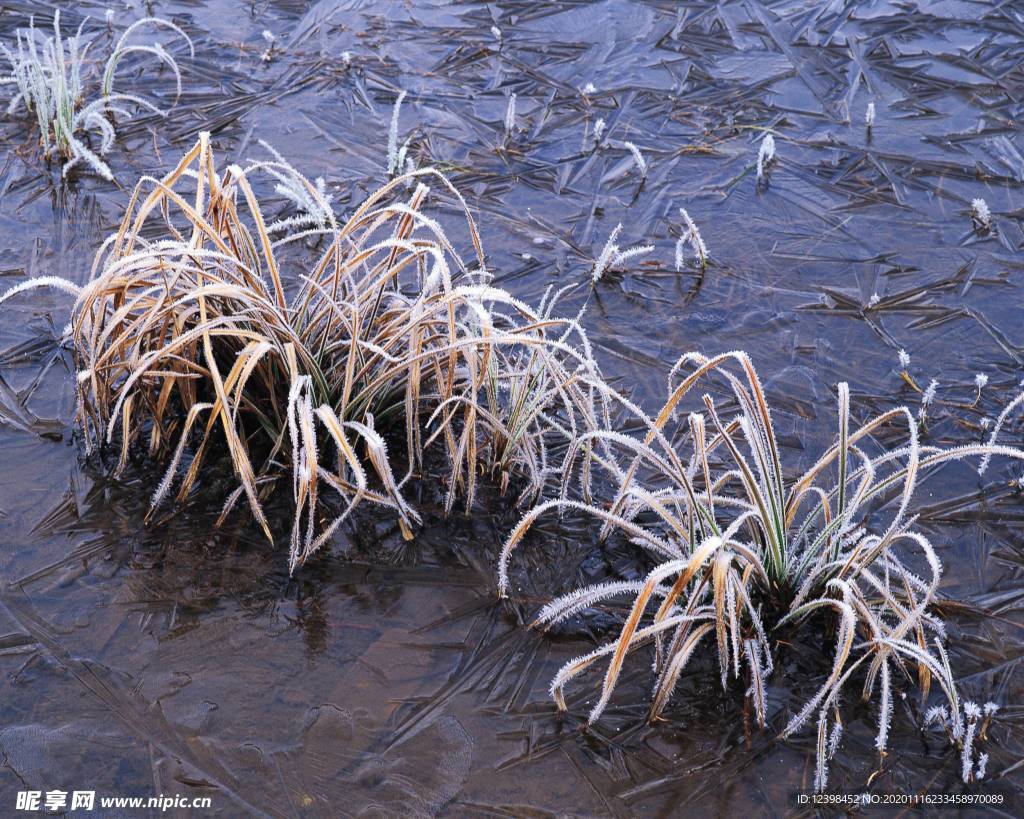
<point>312,201</point>
<point>607,254</point>
<point>927,398</point>
<point>885,710</point>
<point>599,127</point>
<point>612,256</point>
<point>765,155</point>
<point>1003,416</point>
<point>980,213</point>
<point>869,116</point>
<point>271,40</point>
<point>834,739</point>
<point>973,714</point>
<point>623,256</point>
<point>42,281</point>
<point>394,160</point>
<point>693,237</point>
<point>510,115</point>
<point>904,359</point>
<point>588,89</point>
<point>929,394</point>
<point>638,157</point>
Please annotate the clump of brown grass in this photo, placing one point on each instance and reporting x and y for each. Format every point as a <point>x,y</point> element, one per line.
<point>195,333</point>
<point>741,552</point>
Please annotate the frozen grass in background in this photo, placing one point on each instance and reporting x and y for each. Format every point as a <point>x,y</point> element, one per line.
<point>765,156</point>
<point>312,202</point>
<point>612,257</point>
<point>692,238</point>
<point>49,74</point>
<point>397,156</point>
<point>188,340</point>
<point>981,216</point>
<point>741,553</point>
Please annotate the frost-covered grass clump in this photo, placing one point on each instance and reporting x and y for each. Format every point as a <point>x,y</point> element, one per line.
<point>49,76</point>
<point>742,554</point>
